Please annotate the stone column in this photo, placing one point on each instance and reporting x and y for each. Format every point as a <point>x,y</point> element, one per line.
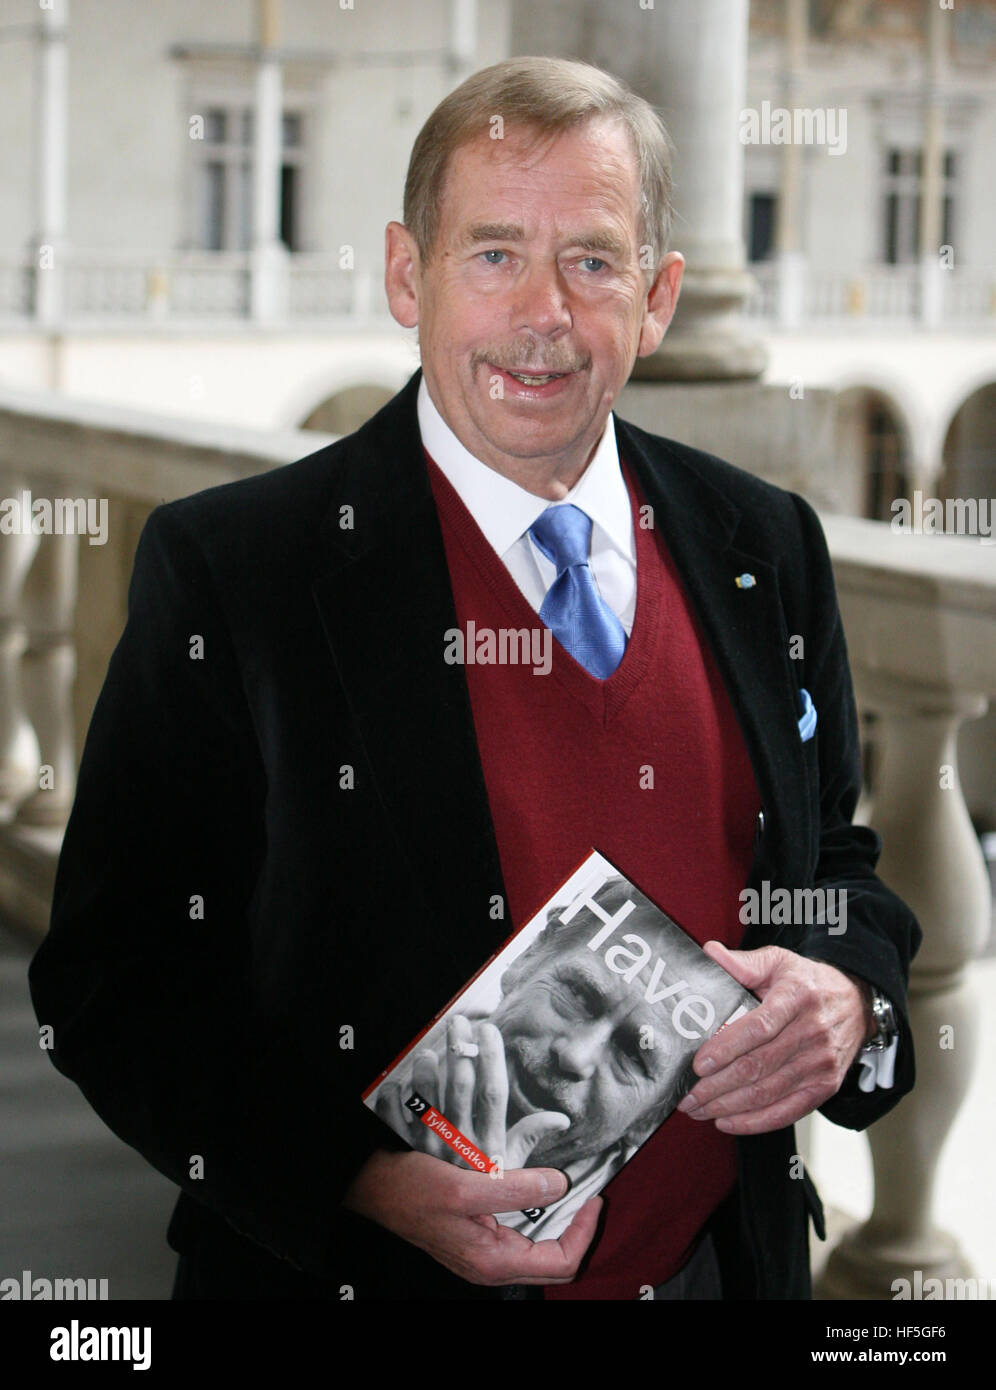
<point>931,176</point>
<point>268,257</point>
<point>48,669</point>
<point>788,237</point>
<point>18,746</point>
<point>689,59</point>
<point>48,245</point>
<point>463,38</point>
<point>932,859</point>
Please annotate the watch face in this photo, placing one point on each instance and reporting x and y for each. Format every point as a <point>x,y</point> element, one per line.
<point>885,1018</point>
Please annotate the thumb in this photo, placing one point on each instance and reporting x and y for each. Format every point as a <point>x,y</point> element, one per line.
<point>523,1137</point>
<point>752,969</point>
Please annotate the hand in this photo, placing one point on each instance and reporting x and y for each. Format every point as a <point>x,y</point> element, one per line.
<point>786,1057</point>
<point>472,1092</point>
<point>449,1213</point>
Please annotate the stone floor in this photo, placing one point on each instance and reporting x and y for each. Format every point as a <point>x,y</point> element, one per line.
<point>75,1202</point>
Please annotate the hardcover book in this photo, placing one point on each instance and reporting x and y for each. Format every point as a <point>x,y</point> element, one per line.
<point>568,1049</point>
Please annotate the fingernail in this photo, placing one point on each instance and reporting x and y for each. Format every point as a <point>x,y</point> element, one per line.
<point>706,1067</point>
<point>689,1103</point>
<point>551,1185</point>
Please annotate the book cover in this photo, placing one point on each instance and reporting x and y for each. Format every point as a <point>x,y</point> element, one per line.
<point>568,1049</point>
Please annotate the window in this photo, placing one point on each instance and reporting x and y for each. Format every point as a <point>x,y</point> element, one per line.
<point>224,179</point>
<point>761,229</point>
<point>903,173</point>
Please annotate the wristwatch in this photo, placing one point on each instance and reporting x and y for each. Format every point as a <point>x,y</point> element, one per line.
<point>885,1019</point>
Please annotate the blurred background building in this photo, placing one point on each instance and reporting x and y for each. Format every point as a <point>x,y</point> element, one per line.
<point>192,211</point>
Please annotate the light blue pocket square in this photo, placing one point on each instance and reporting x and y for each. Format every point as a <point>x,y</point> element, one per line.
<point>807,724</point>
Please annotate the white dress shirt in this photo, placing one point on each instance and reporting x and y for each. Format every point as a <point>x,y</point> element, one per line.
<point>504,512</point>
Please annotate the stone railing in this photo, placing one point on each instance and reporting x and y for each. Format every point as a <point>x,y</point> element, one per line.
<point>794,294</point>
<point>94,288</point>
<point>919,612</point>
<point>920,617</point>
<point>115,287</point>
<point>76,484</point>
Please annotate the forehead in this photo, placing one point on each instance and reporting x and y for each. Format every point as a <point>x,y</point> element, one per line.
<point>568,955</point>
<point>533,176</point>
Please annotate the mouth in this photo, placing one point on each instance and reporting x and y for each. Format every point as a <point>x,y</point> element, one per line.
<point>525,1096</point>
<point>533,383</point>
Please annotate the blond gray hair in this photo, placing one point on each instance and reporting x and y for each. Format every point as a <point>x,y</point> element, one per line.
<point>547,95</point>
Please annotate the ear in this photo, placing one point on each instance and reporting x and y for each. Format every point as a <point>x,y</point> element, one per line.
<point>401,274</point>
<point>662,300</point>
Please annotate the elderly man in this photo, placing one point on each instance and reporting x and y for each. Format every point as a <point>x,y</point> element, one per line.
<point>298,836</point>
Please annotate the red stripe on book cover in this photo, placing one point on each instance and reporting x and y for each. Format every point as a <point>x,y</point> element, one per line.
<point>458,1142</point>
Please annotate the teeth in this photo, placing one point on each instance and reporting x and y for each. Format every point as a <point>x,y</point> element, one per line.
<point>535,380</point>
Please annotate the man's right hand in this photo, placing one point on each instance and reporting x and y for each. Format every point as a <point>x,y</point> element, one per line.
<point>449,1213</point>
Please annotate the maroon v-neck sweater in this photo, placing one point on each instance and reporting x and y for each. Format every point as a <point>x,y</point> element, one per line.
<point>648,767</point>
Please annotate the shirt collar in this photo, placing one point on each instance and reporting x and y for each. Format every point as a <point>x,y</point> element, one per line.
<point>503,510</point>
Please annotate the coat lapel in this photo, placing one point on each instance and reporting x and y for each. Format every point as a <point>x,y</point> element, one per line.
<point>384,596</point>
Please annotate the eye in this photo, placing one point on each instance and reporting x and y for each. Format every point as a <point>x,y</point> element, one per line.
<point>634,1058</point>
<point>494,252</point>
<point>594,263</point>
<point>574,999</point>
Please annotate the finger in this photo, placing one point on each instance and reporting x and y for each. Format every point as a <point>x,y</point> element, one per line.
<point>461,1075</point>
<point>752,969</point>
<point>425,1080</point>
<point>390,1107</point>
<point>787,1111</point>
<point>812,1069</point>
<point>750,1068</point>
<point>491,1099</point>
<point>556,1261</point>
<point>523,1137</point>
<point>425,1076</point>
<point>474,1194</point>
<point>780,1006</point>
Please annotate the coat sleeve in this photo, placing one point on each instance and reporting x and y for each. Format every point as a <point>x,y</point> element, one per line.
<point>882,934</point>
<point>146,974</point>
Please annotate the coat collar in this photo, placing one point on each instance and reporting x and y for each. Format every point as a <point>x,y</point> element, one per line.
<point>383,592</point>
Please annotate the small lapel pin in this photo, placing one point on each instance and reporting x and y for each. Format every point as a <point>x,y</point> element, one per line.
<point>745,581</point>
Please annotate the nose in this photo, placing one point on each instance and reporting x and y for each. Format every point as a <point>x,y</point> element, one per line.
<point>540,301</point>
<point>577,1053</point>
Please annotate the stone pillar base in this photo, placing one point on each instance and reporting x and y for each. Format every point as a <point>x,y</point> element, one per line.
<point>865,1265</point>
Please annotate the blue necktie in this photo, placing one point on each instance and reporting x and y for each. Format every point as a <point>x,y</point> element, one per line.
<point>573,609</point>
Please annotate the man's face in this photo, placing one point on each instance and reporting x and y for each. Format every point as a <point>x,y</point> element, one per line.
<point>536,270</point>
<point>576,1040</point>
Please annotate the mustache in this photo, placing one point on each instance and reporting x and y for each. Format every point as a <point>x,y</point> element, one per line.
<point>516,360</point>
<point>541,1084</point>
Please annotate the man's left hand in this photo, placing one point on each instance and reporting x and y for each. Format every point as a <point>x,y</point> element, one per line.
<point>789,1055</point>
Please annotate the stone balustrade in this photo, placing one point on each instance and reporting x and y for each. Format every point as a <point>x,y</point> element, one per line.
<point>920,617</point>
<point>919,612</point>
<point>117,287</point>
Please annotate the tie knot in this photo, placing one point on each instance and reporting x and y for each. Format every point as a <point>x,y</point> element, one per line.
<point>564,535</point>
